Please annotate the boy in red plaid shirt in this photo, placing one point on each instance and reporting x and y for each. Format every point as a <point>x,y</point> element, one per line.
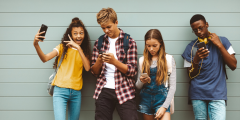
<point>115,79</point>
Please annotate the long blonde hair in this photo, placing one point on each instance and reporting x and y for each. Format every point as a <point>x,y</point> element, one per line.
<point>162,69</point>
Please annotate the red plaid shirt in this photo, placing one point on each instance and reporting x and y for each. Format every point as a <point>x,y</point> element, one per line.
<point>124,83</point>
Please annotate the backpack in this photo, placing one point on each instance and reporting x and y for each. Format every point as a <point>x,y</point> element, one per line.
<point>125,44</point>
<point>194,51</point>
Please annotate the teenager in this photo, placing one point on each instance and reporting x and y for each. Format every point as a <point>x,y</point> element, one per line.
<point>157,87</point>
<point>206,68</point>
<point>75,48</point>
<point>115,78</point>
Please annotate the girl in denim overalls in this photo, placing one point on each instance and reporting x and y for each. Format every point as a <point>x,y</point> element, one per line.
<point>158,88</point>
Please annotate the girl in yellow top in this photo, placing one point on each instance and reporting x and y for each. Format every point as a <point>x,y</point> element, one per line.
<point>75,47</point>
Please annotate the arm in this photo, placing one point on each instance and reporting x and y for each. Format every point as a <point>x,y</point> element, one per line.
<point>40,53</point>
<point>97,67</point>
<point>96,61</point>
<point>85,60</point>
<point>200,54</point>
<point>230,60</point>
<point>171,92</point>
<point>140,79</point>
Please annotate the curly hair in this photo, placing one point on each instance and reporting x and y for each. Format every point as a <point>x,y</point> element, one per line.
<point>85,44</point>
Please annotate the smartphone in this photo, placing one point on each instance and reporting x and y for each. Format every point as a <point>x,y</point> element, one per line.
<point>202,44</point>
<point>101,52</point>
<point>144,74</point>
<point>43,28</point>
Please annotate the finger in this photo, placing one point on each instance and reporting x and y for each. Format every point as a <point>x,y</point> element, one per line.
<point>41,32</point>
<point>70,37</point>
<point>100,55</point>
<point>40,37</point>
<point>200,49</point>
<point>66,41</point>
<point>106,54</point>
<point>107,57</point>
<point>38,40</point>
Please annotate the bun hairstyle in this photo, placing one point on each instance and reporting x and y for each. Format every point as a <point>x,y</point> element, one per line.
<point>76,22</point>
<point>161,62</point>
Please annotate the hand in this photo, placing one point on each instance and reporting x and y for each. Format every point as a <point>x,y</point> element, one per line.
<point>100,58</point>
<point>161,111</point>
<point>71,43</point>
<point>215,39</point>
<point>145,80</point>
<point>108,58</point>
<point>37,36</point>
<point>201,54</point>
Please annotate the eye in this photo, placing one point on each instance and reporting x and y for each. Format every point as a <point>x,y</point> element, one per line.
<point>154,45</point>
<point>75,33</point>
<point>81,33</point>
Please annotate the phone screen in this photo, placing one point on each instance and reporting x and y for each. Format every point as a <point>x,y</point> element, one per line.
<point>202,44</point>
<point>43,28</point>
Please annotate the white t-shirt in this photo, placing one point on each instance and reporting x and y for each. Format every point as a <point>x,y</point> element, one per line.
<point>230,51</point>
<point>110,69</point>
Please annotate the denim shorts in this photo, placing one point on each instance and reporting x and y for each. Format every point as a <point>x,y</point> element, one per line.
<point>151,101</point>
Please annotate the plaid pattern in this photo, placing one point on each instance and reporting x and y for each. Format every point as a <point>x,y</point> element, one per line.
<point>124,83</point>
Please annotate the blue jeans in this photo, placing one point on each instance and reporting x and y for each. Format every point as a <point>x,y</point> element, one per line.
<point>62,97</point>
<point>215,108</point>
<point>150,101</point>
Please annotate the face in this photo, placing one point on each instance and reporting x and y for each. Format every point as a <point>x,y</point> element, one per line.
<point>200,29</point>
<point>110,29</point>
<point>153,46</point>
<point>77,35</point>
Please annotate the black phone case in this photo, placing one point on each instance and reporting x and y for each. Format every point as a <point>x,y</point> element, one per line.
<point>43,28</point>
<point>201,44</point>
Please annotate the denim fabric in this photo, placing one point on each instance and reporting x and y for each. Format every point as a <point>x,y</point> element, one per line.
<point>62,97</point>
<point>215,108</point>
<point>152,96</point>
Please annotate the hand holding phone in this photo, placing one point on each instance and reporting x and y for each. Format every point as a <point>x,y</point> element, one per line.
<point>202,51</point>
<point>201,44</point>
<point>144,75</point>
<point>43,28</point>
<point>146,78</point>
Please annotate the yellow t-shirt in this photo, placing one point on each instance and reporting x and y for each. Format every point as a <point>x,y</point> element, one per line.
<point>69,74</point>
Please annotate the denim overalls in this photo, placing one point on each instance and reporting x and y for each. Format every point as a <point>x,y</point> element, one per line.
<point>152,96</point>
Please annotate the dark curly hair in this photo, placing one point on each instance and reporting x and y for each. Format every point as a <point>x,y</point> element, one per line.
<point>85,44</point>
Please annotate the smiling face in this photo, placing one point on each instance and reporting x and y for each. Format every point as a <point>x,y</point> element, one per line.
<point>111,29</point>
<point>78,35</point>
<point>200,29</point>
<point>153,46</point>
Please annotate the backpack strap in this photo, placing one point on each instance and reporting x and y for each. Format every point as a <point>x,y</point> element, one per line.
<point>126,46</point>
<point>100,41</point>
<point>169,65</point>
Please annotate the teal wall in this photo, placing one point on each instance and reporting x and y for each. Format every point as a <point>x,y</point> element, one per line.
<point>23,76</point>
